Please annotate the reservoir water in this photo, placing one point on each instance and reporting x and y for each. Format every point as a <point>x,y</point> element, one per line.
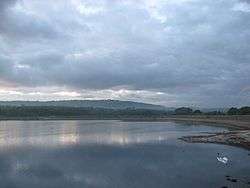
<point>115,154</point>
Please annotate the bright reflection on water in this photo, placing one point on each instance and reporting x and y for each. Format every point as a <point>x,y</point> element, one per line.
<point>56,133</point>
<point>114,154</point>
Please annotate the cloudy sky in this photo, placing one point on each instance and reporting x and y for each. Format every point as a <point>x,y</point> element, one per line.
<point>170,52</point>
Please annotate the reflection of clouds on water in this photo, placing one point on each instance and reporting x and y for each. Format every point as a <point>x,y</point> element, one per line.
<point>66,139</point>
<point>15,133</point>
<point>105,163</point>
<point>126,138</point>
<point>65,133</point>
<point>87,178</point>
<point>37,133</point>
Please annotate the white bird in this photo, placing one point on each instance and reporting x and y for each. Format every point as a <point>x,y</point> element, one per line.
<point>222,159</point>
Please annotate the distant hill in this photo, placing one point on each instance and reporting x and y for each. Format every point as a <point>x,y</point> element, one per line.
<point>107,104</point>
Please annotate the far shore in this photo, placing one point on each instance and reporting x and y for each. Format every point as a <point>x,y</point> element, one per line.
<point>238,134</point>
<point>239,122</point>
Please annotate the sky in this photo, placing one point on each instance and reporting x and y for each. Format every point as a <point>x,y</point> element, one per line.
<point>170,52</point>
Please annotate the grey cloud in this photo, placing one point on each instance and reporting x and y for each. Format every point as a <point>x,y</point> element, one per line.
<point>6,3</point>
<point>199,52</point>
<point>5,67</point>
<point>247,1</point>
<point>25,28</point>
<point>22,26</point>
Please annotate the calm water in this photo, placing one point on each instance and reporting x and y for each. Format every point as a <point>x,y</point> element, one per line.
<point>113,154</point>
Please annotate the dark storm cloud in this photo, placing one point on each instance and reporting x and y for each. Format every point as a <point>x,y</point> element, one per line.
<point>195,50</point>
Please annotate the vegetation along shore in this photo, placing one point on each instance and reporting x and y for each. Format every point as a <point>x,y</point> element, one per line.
<point>237,120</point>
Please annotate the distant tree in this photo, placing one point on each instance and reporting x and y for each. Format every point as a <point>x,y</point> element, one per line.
<point>183,111</point>
<point>197,112</point>
<point>244,110</point>
<point>233,111</point>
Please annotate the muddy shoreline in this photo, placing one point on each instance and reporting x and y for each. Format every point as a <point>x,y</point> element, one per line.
<point>238,134</point>
<point>232,138</point>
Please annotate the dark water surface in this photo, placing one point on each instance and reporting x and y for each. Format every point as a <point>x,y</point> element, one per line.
<point>114,154</point>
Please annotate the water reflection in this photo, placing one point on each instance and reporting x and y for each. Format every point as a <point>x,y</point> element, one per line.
<point>56,133</point>
<point>27,133</point>
<point>81,154</point>
<point>50,133</point>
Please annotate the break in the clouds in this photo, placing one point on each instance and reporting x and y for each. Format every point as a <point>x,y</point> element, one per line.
<point>172,52</point>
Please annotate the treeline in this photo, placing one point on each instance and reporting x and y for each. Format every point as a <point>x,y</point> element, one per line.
<point>79,112</point>
<point>189,111</point>
<point>232,111</point>
<point>103,113</point>
<point>239,111</point>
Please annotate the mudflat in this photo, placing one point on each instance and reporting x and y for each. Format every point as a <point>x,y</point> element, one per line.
<point>238,134</point>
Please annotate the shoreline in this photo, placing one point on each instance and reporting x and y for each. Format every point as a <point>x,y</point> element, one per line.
<point>232,138</point>
<point>238,134</point>
<point>236,123</point>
